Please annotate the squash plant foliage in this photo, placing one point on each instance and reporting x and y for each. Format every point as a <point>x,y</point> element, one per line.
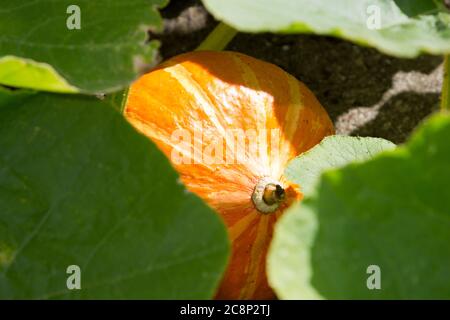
<point>83,192</point>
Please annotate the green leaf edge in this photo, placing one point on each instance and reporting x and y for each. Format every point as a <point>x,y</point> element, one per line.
<point>301,27</point>
<point>31,74</point>
<point>280,239</point>
<point>117,101</point>
<point>288,172</point>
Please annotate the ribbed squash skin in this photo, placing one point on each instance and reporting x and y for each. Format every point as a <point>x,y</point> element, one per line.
<point>222,91</point>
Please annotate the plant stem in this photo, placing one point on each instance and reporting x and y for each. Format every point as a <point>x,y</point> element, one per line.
<point>445,98</point>
<point>219,38</point>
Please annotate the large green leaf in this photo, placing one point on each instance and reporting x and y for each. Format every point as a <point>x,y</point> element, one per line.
<point>332,152</point>
<point>406,27</point>
<point>79,186</point>
<point>392,212</point>
<point>39,51</point>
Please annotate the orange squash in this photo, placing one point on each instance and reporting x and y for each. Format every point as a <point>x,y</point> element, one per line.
<point>229,123</point>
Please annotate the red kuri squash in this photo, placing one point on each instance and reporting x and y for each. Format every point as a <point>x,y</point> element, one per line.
<point>229,124</point>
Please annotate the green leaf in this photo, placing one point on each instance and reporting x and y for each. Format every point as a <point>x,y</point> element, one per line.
<point>333,152</point>
<point>8,96</point>
<point>79,186</point>
<point>391,212</point>
<point>38,50</point>
<point>406,27</point>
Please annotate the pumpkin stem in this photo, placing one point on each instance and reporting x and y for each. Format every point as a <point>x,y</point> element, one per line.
<point>273,193</point>
<point>268,195</point>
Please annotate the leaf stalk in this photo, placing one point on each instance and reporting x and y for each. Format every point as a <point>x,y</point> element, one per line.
<point>219,38</point>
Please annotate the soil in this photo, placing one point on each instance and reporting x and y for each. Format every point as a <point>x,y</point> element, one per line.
<point>365,92</point>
